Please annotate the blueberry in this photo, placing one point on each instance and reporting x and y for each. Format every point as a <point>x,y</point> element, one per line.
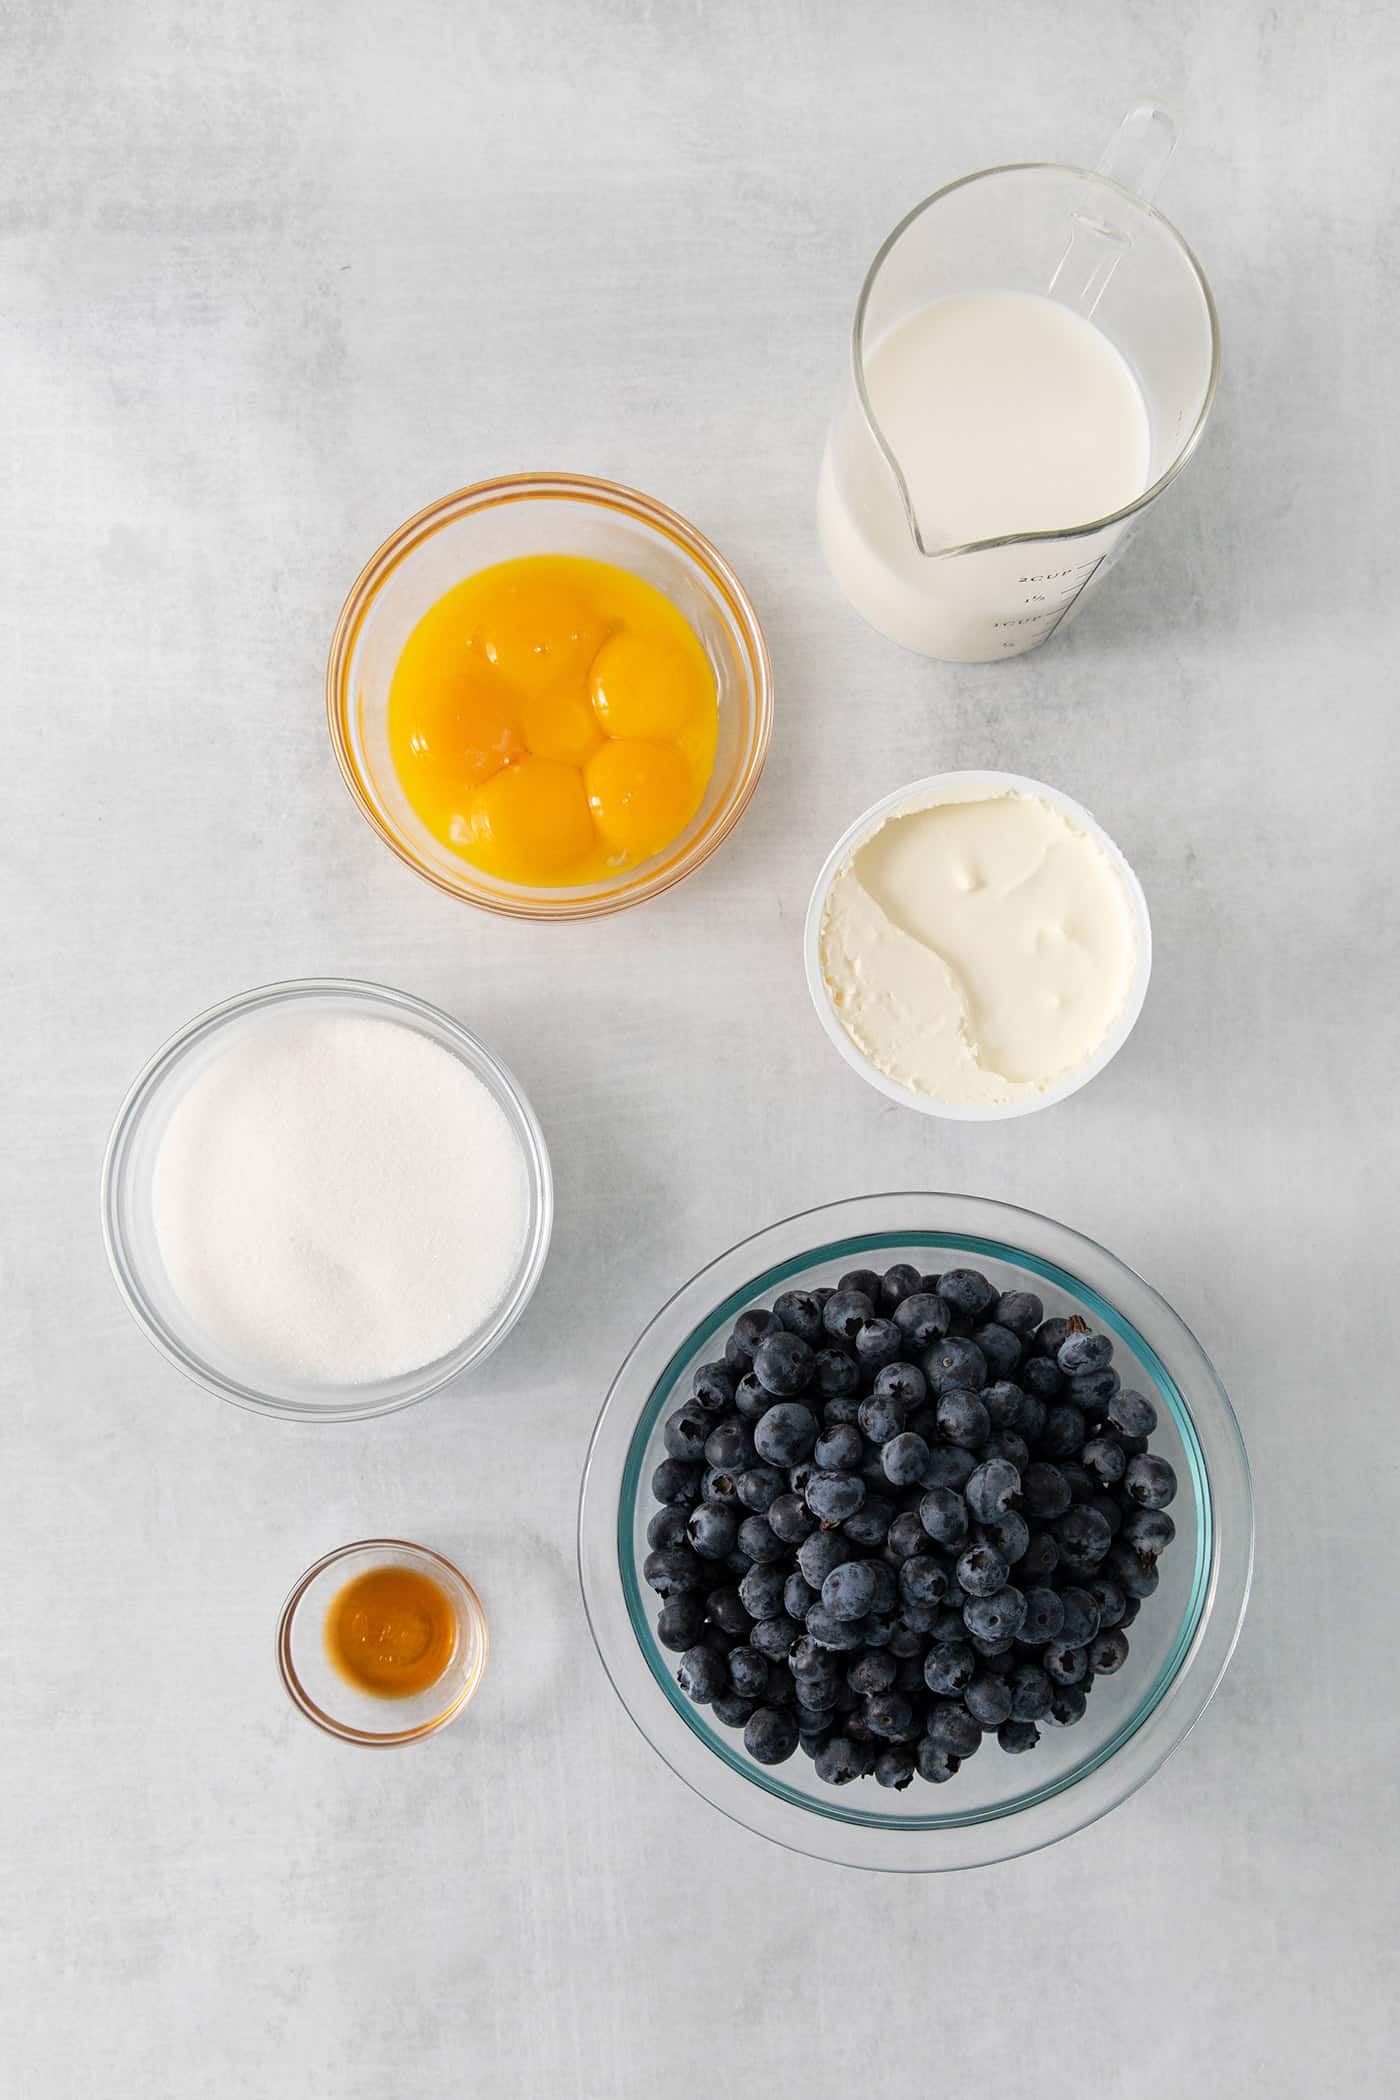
<point>849,1591</point>
<point>811,1741</point>
<point>718,1486</point>
<point>748,1673</point>
<point>955,1365</point>
<point>951,1727</point>
<point>1149,1481</point>
<point>681,1621</point>
<point>1081,1351</point>
<point>808,1660</point>
<point>968,1292</point>
<point>1149,1532</point>
<point>670,1570</point>
<point>1004,1403</point>
<point>918,1618</point>
<point>999,1617</point>
<point>760,1487</point>
<point>1040,1379</point>
<point>887,1597</point>
<point>713,1386</point>
<point>1103,1459</point>
<point>1045,1615</point>
<point>676,1481</point>
<point>839,1448</point>
<point>713,1530</point>
<point>830,1632</point>
<point>729,1446</point>
<point>726,1609</point>
<point>1132,1414</point>
<point>1067,1704</point>
<point>922,1319</point>
<point>906,1641</point>
<point>1050,1336</point>
<point>1083,1538</point>
<point>1108,1509</point>
<point>761,1592</point>
<point>1079,1479</point>
<point>1081,1621</point>
<point>982,1571</point>
<point>844,1315</point>
<point>1001,1348</point>
<point>751,1398</point>
<point>1131,1607</point>
<point>903,1382</point>
<point>1021,1311</point>
<point>1064,1665</point>
<point>836,1376</point>
<point>760,1542</point>
<point>943,1515</point>
<point>897,1284</point>
<point>685,1433</point>
<point>776,1637</point>
<point>1010,1445</point>
<point>949,1466</point>
<point>1093,1390</point>
<point>819,1554</point>
<point>1045,1490</point>
<point>667,1527</point>
<point>877,1344</point>
<point>962,1419</point>
<point>888,1713</point>
<point>1108,1651</point>
<point>748,1331</point>
<point>894,1767</point>
<point>999,1649</point>
<point>832,1496</point>
<point>784,1364</point>
<point>798,1596</point>
<point>1031,1692</point>
<point>904,1458</point>
<point>731,1709</point>
<point>992,1489</point>
<point>786,1434</point>
<point>770,1735</point>
<point>840,1760</point>
<point>988,1700</point>
<point>1064,1430</point>
<point>870,1524</point>
<point>922,1580</point>
<point>906,1536</point>
<point>1108,1597</point>
<point>790,1520</point>
<point>1016,1736</point>
<point>1041,1557</point>
<point>934,1763</point>
<point>1011,1535</point>
<point>1135,1577</point>
<point>800,1314</point>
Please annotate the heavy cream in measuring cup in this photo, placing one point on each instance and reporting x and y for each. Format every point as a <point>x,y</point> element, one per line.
<point>1007,412</point>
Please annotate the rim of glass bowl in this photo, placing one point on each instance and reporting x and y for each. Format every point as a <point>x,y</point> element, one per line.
<point>653,877</point>
<point>620,1620</point>
<point>380,1396</point>
<point>929,793</point>
<point>344,1731</point>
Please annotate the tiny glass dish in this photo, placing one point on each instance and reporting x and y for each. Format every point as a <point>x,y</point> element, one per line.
<point>997,1806</point>
<point>316,1686</point>
<point>495,521</point>
<point>128,1204</point>
<point>928,793</point>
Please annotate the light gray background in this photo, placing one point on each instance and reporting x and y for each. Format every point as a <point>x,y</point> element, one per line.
<point>275,275</point>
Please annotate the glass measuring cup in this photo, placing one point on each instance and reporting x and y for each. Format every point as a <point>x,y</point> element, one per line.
<point>1089,239</point>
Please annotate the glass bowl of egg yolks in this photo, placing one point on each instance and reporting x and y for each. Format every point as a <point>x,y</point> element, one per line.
<point>550,696</point>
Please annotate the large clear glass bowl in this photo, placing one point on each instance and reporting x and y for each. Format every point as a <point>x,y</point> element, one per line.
<point>545,514</point>
<point>128,1204</point>
<point>996,1806</point>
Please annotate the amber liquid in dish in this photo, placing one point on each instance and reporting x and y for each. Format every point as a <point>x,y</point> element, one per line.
<point>391,1632</point>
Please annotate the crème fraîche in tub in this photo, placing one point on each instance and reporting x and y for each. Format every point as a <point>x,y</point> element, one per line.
<point>979,947</point>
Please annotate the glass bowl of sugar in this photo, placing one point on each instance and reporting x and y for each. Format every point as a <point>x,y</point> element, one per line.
<point>326,1199</point>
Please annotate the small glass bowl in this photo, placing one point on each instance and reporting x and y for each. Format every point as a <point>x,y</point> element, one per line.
<point>928,793</point>
<point>128,1216</point>
<point>496,521</point>
<point>325,1697</point>
<point>997,1806</point>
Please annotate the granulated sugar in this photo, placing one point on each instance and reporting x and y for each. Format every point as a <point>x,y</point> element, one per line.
<point>339,1199</point>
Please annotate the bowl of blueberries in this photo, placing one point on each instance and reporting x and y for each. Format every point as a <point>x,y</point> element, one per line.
<point>916,1531</point>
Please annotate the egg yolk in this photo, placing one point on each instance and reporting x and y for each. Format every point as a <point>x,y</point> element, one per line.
<point>553,720</point>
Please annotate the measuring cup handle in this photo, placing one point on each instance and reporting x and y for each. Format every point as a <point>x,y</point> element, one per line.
<point>1137,154</point>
